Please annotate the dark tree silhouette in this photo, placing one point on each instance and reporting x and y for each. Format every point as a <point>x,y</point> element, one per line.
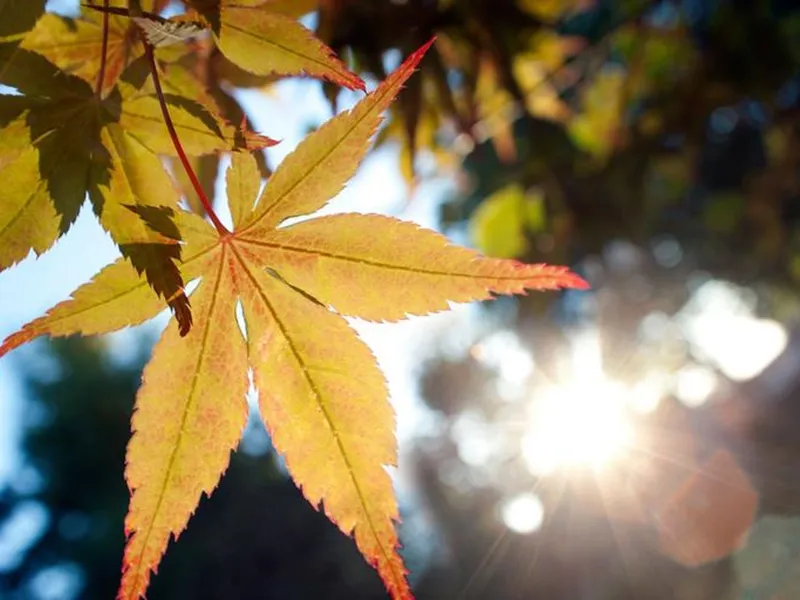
<point>257,537</point>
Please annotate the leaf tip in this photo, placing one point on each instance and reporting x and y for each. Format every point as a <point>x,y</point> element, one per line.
<point>541,276</point>
<point>183,313</point>
<point>576,282</point>
<point>134,583</point>
<point>566,279</point>
<point>356,83</point>
<point>16,340</point>
<point>181,308</point>
<point>252,140</point>
<point>415,57</point>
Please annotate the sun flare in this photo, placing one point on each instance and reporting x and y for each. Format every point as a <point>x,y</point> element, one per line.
<point>576,425</point>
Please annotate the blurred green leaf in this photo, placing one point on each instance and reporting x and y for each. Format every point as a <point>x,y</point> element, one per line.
<point>501,224</point>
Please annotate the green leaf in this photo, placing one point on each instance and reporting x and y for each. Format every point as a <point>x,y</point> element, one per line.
<point>18,17</point>
<point>79,146</point>
<point>501,224</point>
<point>74,45</point>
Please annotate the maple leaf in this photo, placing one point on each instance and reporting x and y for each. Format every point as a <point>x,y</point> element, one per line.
<point>74,45</point>
<point>189,78</point>
<point>18,17</point>
<point>59,141</point>
<point>321,393</point>
<point>184,71</point>
<point>260,36</point>
<point>293,8</point>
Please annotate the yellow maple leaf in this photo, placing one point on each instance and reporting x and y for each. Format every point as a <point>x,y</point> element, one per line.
<point>261,38</point>
<point>321,393</point>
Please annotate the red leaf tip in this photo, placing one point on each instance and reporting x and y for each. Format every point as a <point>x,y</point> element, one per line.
<point>15,340</point>
<point>417,55</point>
<point>577,282</point>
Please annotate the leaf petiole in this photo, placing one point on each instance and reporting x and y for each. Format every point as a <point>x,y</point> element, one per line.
<point>223,231</point>
<point>101,75</point>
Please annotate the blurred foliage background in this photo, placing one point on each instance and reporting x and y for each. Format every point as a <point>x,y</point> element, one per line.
<point>637,441</point>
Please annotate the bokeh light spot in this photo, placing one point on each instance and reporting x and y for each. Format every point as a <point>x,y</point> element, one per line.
<point>523,513</point>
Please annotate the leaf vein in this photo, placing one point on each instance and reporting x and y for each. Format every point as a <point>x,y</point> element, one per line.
<point>187,409</point>
<point>328,419</point>
<point>301,179</point>
<point>383,265</point>
<point>302,57</point>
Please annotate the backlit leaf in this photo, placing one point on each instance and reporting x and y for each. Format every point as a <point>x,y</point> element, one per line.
<point>335,437</point>
<point>320,391</point>
<point>190,413</point>
<point>200,131</point>
<point>131,176</point>
<point>44,159</point>
<point>280,344</point>
<point>325,160</point>
<point>243,183</point>
<point>206,168</point>
<point>185,79</point>
<point>109,152</point>
<point>118,296</point>
<point>265,42</point>
<point>28,220</point>
<point>74,45</point>
<point>381,268</point>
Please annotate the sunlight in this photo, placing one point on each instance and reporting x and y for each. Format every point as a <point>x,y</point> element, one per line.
<point>721,324</point>
<point>694,385</point>
<point>523,513</point>
<point>578,424</point>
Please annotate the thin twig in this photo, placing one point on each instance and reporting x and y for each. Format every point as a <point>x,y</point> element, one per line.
<point>101,75</point>
<point>179,148</point>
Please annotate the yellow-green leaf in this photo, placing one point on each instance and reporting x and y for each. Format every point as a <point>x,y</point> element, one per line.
<point>118,296</point>
<point>74,45</point>
<point>500,226</point>
<point>44,167</point>
<point>206,168</point>
<point>243,182</point>
<point>81,146</point>
<point>128,174</point>
<point>190,413</point>
<point>199,131</point>
<point>265,42</point>
<point>127,177</point>
<point>28,220</point>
